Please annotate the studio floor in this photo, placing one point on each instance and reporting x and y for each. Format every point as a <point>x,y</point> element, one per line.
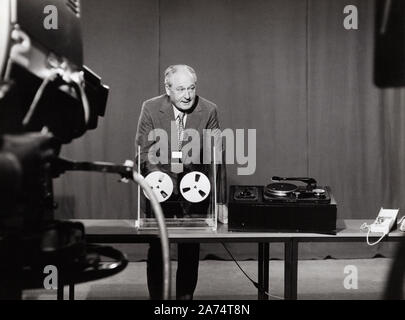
<point>330,279</point>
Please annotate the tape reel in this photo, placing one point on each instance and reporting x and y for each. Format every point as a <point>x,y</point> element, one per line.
<point>195,187</point>
<point>161,184</point>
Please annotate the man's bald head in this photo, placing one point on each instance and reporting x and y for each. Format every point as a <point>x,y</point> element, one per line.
<point>178,68</point>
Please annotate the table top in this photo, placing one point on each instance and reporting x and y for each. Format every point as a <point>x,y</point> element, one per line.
<point>124,231</point>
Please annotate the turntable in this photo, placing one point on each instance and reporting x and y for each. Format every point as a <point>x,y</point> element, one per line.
<point>301,206</point>
<point>287,192</point>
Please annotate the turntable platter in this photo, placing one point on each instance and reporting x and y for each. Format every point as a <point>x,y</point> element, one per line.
<point>280,189</point>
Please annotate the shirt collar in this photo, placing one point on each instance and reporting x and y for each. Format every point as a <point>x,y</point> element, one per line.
<point>177,112</point>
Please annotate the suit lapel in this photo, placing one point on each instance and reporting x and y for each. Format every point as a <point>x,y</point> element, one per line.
<point>194,118</point>
<point>193,122</point>
<point>167,116</point>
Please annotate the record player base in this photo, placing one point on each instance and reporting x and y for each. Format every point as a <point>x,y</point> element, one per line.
<point>261,216</point>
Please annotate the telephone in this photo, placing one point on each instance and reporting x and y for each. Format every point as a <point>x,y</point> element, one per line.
<point>385,220</point>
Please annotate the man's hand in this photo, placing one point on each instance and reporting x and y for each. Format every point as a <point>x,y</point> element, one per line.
<point>222,213</point>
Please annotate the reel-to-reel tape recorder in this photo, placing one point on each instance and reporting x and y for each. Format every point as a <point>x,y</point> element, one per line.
<point>187,199</point>
<point>282,206</point>
<point>194,186</point>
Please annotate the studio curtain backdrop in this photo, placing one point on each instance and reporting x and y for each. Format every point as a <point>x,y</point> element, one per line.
<point>287,68</point>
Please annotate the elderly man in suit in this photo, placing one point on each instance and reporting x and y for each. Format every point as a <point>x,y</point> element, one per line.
<point>184,108</point>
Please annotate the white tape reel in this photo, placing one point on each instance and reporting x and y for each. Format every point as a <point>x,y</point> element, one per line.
<point>195,186</point>
<point>161,185</point>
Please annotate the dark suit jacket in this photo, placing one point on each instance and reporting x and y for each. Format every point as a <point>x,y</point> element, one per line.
<point>157,113</point>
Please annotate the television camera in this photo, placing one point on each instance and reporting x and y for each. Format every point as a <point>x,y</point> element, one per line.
<point>48,98</point>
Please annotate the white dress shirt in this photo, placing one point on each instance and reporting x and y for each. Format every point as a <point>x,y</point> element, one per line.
<point>176,114</point>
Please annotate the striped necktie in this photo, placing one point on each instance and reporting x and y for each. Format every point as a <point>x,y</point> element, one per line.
<point>180,130</point>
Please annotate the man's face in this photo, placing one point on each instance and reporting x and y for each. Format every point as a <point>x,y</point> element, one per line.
<point>182,91</point>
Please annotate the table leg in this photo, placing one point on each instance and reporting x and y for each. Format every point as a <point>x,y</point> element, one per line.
<point>290,269</point>
<point>71,291</point>
<point>59,291</point>
<point>263,261</point>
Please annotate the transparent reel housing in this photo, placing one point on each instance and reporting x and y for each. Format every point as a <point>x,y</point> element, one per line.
<point>188,199</point>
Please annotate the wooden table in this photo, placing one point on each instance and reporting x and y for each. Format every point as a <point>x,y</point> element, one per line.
<point>124,231</point>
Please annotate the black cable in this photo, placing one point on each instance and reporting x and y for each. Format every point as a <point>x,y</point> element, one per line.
<point>230,254</point>
<point>256,284</point>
